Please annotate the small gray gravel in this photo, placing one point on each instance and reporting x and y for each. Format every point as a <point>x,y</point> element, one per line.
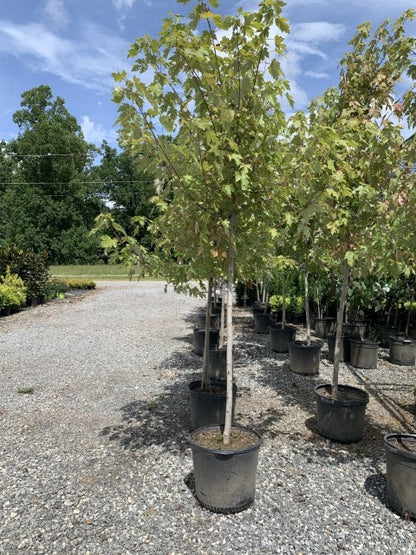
<point>95,461</point>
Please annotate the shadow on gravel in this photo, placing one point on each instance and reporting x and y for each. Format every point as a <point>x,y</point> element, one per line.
<point>376,486</point>
<point>164,418</point>
<point>274,373</point>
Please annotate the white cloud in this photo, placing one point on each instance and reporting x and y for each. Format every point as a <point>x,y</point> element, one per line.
<point>316,75</point>
<point>87,60</point>
<point>305,49</point>
<point>120,4</point>
<point>95,132</point>
<point>318,32</point>
<point>56,13</point>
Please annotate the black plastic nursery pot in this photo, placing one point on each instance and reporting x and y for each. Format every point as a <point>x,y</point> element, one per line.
<point>341,419</point>
<point>304,359</point>
<point>280,338</point>
<point>324,326</point>
<point>364,354</point>
<point>402,351</point>
<point>214,322</point>
<point>344,347</point>
<point>199,339</point>
<point>262,322</point>
<point>217,364</point>
<point>383,333</point>
<point>401,472</point>
<point>208,407</point>
<point>225,481</point>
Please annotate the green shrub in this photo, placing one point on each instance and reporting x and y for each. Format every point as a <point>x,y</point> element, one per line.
<point>276,302</point>
<point>31,267</point>
<point>57,287</point>
<point>80,284</point>
<point>12,291</point>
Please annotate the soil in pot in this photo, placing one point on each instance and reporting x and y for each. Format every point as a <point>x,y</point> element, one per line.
<point>401,472</point>
<point>280,338</point>
<point>364,354</point>
<point>225,477</point>
<point>199,339</point>
<point>304,359</point>
<point>402,351</point>
<point>341,419</point>
<point>208,407</point>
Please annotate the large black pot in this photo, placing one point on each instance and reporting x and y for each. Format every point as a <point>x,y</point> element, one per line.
<point>344,347</point>
<point>364,354</point>
<point>341,419</point>
<point>324,326</point>
<point>304,359</point>
<point>262,322</point>
<point>225,481</point>
<point>214,322</point>
<point>280,338</point>
<point>383,333</point>
<point>199,339</point>
<point>208,408</point>
<point>402,351</point>
<point>217,364</point>
<point>401,472</point>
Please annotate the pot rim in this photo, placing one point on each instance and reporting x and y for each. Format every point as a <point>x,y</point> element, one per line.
<point>366,343</point>
<point>303,344</point>
<point>400,340</point>
<point>343,402</point>
<point>397,450</point>
<point>190,440</point>
<point>214,381</point>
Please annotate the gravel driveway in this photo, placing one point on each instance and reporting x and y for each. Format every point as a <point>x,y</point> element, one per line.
<point>95,460</point>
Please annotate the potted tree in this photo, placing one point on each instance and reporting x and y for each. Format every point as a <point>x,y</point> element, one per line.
<point>215,87</point>
<point>353,156</point>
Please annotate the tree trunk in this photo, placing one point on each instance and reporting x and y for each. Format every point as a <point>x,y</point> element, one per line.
<point>205,383</point>
<point>409,313</point>
<point>230,282</point>
<point>222,322</point>
<point>340,318</point>
<point>283,301</point>
<point>307,314</point>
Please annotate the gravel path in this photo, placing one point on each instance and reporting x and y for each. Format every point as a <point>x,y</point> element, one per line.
<point>95,460</point>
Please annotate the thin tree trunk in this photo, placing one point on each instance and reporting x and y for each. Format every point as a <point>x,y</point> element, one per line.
<point>222,322</point>
<point>307,313</point>
<point>205,384</point>
<point>230,282</point>
<point>283,301</point>
<point>409,312</point>
<point>338,334</point>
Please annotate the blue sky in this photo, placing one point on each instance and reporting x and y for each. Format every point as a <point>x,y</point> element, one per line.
<point>73,47</point>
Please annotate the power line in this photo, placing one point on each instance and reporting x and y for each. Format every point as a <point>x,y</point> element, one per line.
<point>46,155</point>
<point>76,182</point>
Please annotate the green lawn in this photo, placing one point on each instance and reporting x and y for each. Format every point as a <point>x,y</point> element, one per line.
<point>93,271</point>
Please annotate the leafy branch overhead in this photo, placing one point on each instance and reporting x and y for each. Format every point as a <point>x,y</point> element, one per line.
<point>214,85</point>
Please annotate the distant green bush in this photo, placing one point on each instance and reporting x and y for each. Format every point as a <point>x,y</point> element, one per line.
<point>31,267</point>
<point>12,291</point>
<point>57,287</point>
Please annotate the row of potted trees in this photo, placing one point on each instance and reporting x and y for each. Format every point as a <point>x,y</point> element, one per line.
<point>241,190</point>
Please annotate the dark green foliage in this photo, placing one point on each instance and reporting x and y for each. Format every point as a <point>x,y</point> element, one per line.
<point>46,202</point>
<point>127,187</point>
<point>31,267</point>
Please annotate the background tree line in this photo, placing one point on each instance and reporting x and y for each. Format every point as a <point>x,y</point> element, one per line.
<point>52,189</point>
